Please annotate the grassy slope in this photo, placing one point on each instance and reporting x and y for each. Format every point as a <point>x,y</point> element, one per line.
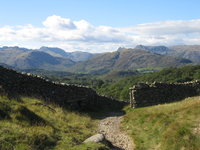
<point>29,124</point>
<point>165,127</point>
<point>120,89</point>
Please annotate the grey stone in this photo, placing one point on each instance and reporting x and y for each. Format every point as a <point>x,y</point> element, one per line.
<point>97,138</point>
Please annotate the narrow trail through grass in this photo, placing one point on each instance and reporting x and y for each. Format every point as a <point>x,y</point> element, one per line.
<point>110,127</point>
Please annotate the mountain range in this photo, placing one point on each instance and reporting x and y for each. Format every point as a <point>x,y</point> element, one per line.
<point>141,56</point>
<point>76,56</point>
<point>127,59</point>
<point>27,59</point>
<point>191,52</point>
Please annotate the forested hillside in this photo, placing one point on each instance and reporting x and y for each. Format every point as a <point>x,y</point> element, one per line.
<point>120,89</point>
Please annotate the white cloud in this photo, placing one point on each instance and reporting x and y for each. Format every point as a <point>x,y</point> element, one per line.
<point>166,27</point>
<point>56,22</point>
<point>81,35</point>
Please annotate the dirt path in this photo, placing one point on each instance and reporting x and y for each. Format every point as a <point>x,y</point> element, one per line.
<point>110,127</point>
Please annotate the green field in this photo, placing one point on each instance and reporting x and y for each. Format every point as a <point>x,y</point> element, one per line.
<point>165,127</point>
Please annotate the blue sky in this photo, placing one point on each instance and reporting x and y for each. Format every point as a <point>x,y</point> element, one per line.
<point>117,13</point>
<point>110,23</point>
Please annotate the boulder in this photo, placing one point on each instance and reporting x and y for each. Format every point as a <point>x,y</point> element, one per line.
<point>97,138</point>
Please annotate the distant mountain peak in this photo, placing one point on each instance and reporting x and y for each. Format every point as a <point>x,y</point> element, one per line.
<point>121,48</point>
<point>54,51</point>
<point>76,56</point>
<point>161,47</point>
<point>163,50</point>
<point>14,48</point>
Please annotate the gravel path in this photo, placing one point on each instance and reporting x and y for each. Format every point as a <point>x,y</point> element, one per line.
<point>110,127</point>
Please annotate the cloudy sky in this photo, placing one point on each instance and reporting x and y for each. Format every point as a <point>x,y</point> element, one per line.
<point>99,26</point>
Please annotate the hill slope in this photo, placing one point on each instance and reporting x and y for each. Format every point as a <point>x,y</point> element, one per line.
<point>191,52</point>
<point>172,126</point>
<point>38,114</point>
<point>29,59</point>
<point>127,59</point>
<point>33,124</point>
<point>120,89</point>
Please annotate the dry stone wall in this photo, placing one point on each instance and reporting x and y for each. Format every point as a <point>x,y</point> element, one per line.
<point>144,94</point>
<point>15,85</point>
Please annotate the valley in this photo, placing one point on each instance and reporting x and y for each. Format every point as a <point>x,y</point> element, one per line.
<point>50,101</point>
<point>100,75</point>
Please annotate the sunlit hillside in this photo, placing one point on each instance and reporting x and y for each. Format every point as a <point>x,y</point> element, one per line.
<point>31,124</point>
<point>174,126</point>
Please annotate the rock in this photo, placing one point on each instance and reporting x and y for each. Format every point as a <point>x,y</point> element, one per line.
<point>141,86</point>
<point>97,138</point>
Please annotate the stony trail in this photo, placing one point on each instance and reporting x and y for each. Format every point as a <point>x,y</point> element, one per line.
<point>110,127</point>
